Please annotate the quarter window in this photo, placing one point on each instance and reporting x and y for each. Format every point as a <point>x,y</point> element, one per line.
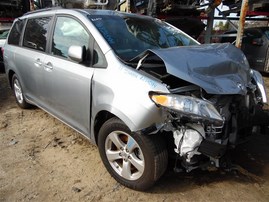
<point>68,32</point>
<point>36,33</point>
<point>16,32</point>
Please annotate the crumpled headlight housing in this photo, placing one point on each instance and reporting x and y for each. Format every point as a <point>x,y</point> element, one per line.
<point>260,84</point>
<point>189,107</point>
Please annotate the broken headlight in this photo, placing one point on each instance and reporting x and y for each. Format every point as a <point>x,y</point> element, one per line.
<point>189,107</point>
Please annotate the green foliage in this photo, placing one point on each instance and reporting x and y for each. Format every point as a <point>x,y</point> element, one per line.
<point>222,26</point>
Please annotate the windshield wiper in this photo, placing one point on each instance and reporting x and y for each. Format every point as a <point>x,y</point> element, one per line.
<point>140,62</point>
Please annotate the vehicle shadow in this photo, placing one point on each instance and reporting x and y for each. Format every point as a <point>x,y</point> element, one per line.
<point>5,91</point>
<point>265,74</point>
<point>2,69</point>
<point>7,99</point>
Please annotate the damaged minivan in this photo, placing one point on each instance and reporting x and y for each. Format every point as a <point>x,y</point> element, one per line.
<point>140,89</point>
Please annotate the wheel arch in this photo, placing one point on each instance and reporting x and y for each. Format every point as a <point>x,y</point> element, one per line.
<point>10,75</point>
<point>104,115</point>
<point>99,120</point>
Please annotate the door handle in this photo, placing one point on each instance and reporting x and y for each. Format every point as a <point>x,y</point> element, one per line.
<point>48,67</point>
<point>38,62</point>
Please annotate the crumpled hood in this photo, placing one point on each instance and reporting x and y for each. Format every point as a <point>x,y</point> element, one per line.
<point>217,68</point>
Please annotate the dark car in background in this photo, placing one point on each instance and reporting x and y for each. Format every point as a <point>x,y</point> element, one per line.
<point>255,44</point>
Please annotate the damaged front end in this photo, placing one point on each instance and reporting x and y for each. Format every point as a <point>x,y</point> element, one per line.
<point>212,103</point>
<point>196,126</point>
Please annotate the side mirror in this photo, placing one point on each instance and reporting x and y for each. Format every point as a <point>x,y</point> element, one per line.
<point>77,53</point>
<point>257,42</point>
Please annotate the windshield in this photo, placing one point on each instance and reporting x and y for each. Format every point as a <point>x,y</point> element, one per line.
<point>129,35</point>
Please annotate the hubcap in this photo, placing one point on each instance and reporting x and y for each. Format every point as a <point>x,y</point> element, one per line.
<point>124,155</point>
<point>18,91</point>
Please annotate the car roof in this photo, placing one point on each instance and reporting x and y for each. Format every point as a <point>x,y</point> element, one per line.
<point>60,10</point>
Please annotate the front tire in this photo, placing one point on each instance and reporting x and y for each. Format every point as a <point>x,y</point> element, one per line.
<point>136,161</point>
<point>18,92</point>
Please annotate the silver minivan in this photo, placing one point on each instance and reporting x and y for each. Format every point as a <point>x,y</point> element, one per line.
<point>139,88</point>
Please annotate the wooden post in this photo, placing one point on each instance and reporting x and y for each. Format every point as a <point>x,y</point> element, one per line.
<point>242,19</point>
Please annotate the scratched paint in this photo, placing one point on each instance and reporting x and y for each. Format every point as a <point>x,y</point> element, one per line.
<point>144,79</point>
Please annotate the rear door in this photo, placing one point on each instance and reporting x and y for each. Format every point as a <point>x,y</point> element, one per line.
<point>29,57</point>
<point>67,83</point>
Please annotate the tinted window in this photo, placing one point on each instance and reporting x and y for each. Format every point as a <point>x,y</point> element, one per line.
<point>35,36</point>
<point>16,32</point>
<point>251,34</point>
<point>98,57</point>
<point>68,32</point>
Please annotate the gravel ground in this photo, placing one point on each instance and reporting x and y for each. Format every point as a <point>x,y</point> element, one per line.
<point>44,160</point>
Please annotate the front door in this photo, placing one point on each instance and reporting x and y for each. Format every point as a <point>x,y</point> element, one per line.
<point>68,83</point>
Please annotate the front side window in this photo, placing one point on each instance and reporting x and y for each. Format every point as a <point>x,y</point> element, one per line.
<point>36,31</point>
<point>16,32</point>
<point>68,32</point>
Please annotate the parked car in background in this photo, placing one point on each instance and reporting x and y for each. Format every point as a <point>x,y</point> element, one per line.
<point>255,45</point>
<point>139,88</point>
<point>3,35</point>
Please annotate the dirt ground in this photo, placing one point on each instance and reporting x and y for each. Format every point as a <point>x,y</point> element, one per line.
<point>41,159</point>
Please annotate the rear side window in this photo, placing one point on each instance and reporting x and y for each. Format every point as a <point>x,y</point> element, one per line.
<point>16,32</point>
<point>36,31</point>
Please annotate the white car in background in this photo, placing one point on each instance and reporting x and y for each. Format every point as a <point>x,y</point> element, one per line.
<point>4,30</point>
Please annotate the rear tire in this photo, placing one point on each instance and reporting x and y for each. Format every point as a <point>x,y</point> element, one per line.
<point>136,161</point>
<point>18,92</point>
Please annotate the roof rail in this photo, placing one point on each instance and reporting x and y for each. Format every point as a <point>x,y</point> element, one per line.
<point>43,9</point>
